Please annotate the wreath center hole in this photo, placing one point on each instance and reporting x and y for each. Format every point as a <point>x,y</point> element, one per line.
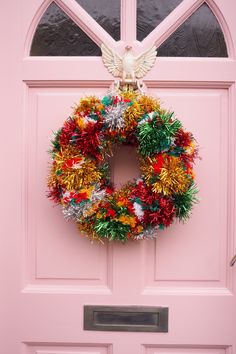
<point>124,165</point>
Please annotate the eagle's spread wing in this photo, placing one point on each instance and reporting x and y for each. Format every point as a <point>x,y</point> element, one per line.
<point>144,62</point>
<point>112,61</point>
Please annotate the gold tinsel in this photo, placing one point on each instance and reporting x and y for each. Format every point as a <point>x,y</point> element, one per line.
<point>172,178</point>
<point>73,178</point>
<point>146,167</point>
<point>148,104</point>
<point>87,104</point>
<point>141,105</point>
<point>127,220</point>
<point>87,229</point>
<point>191,148</point>
<point>129,95</point>
<point>81,122</point>
<point>131,115</point>
<point>52,180</point>
<point>94,209</point>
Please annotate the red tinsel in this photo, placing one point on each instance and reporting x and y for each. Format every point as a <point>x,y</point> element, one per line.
<point>164,215</point>
<point>110,212</point>
<point>55,195</point>
<point>88,140</point>
<point>67,132</point>
<point>71,162</point>
<point>158,164</point>
<point>183,138</point>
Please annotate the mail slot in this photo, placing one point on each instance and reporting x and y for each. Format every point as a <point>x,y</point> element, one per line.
<point>126,318</point>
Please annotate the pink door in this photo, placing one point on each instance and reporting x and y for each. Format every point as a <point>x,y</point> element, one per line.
<point>50,58</point>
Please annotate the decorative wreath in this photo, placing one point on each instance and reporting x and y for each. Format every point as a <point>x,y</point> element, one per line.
<point>80,181</point>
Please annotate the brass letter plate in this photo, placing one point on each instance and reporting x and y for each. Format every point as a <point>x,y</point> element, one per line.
<point>126,318</point>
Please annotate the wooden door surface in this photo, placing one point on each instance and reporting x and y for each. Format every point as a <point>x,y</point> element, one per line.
<point>48,272</point>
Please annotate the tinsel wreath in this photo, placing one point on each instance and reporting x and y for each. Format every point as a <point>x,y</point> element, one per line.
<point>79,178</point>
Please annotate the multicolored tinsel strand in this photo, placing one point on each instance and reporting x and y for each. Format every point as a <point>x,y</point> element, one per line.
<point>79,179</point>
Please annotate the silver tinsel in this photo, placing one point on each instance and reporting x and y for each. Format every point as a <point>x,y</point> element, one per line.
<point>114,116</point>
<point>97,194</point>
<point>73,211</point>
<point>76,211</point>
<point>148,234</point>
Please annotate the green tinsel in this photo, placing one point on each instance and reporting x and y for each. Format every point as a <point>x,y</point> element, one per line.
<point>176,151</point>
<point>153,178</point>
<point>107,100</point>
<point>184,202</point>
<point>171,125</point>
<point>74,137</point>
<point>155,134</point>
<point>111,229</point>
<point>137,200</point>
<point>55,143</point>
<point>154,206</point>
<point>104,168</point>
<point>93,116</point>
<point>122,211</point>
<point>152,139</point>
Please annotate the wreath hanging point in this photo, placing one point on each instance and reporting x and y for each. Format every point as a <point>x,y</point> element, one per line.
<point>79,179</point>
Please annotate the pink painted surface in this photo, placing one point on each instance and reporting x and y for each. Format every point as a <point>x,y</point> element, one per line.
<point>48,273</point>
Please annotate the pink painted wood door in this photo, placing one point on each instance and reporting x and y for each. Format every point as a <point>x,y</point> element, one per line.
<point>48,273</point>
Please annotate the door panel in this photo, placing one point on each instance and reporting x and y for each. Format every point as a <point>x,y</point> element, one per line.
<point>156,350</point>
<point>63,349</point>
<point>76,262</point>
<point>198,249</point>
